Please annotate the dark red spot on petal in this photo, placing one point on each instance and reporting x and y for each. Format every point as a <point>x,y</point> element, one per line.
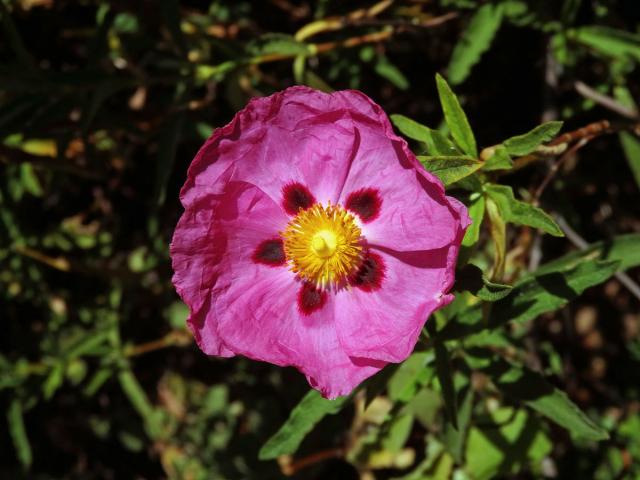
<point>370,275</point>
<point>295,197</point>
<point>270,252</point>
<point>311,299</point>
<point>365,203</point>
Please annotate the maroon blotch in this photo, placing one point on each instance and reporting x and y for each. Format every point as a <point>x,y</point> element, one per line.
<point>311,299</point>
<point>270,252</point>
<point>370,274</point>
<point>365,203</point>
<point>296,196</point>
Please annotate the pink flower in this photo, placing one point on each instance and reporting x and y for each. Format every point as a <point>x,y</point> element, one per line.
<point>312,237</point>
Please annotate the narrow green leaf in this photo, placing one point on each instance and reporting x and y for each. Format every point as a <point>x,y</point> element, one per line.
<point>531,388</point>
<point>608,41</point>
<point>631,146</point>
<point>532,296</point>
<point>54,380</point>
<point>498,232</point>
<point>476,213</point>
<point>622,249</point>
<point>135,393</point>
<point>412,129</point>
<point>445,377</point>
<point>548,292</point>
<point>450,169</point>
<point>455,438</point>
<point>410,377</point>
<point>388,70</point>
<point>437,143</point>
<point>476,39</point>
<point>472,279</point>
<point>303,418</point>
<point>512,441</point>
<point>521,213</point>
<point>528,142</point>
<point>499,159</point>
<point>456,118</point>
<point>19,433</point>
<point>276,44</point>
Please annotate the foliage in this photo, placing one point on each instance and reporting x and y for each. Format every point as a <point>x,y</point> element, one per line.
<point>533,369</point>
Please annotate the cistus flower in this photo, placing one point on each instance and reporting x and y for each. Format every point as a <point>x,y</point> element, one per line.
<point>313,238</point>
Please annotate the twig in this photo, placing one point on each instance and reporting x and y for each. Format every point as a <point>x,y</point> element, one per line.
<point>582,244</point>
<point>290,467</point>
<point>556,167</point>
<point>175,338</point>
<point>605,101</point>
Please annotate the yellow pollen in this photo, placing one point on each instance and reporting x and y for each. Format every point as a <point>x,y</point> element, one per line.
<point>323,245</point>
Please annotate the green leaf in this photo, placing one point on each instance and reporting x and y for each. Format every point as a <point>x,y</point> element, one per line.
<point>455,438</point>
<point>608,41</point>
<point>411,376</point>
<point>513,440</point>
<point>499,159</point>
<point>531,388</point>
<point>303,418</point>
<point>19,433</point>
<point>622,249</point>
<point>277,44</point>
<point>528,142</point>
<point>437,143</point>
<point>472,279</point>
<point>456,118</point>
<point>445,377</point>
<point>388,70</point>
<point>450,169</point>
<point>548,292</point>
<point>498,232</point>
<point>537,294</point>
<point>475,40</point>
<point>521,213</point>
<point>476,213</point>
<point>631,146</point>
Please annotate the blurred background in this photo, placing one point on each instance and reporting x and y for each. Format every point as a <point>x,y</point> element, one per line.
<point>102,107</point>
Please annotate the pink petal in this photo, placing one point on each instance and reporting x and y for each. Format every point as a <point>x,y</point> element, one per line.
<point>298,135</point>
<point>384,324</point>
<point>259,318</point>
<point>203,247</point>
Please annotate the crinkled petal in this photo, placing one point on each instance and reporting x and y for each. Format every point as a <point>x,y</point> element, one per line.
<point>384,324</point>
<point>415,214</point>
<point>260,319</point>
<point>203,246</point>
<point>298,135</point>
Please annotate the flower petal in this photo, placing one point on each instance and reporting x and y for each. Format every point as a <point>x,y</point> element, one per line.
<point>259,318</point>
<point>384,323</point>
<point>296,136</point>
<point>203,246</point>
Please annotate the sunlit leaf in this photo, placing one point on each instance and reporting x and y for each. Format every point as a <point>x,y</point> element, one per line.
<point>456,118</point>
<point>450,169</point>
<point>528,142</point>
<point>301,421</point>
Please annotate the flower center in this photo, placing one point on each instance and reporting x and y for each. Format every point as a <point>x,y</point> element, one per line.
<point>323,244</point>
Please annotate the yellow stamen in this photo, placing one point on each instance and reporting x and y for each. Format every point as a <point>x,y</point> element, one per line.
<point>323,245</point>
